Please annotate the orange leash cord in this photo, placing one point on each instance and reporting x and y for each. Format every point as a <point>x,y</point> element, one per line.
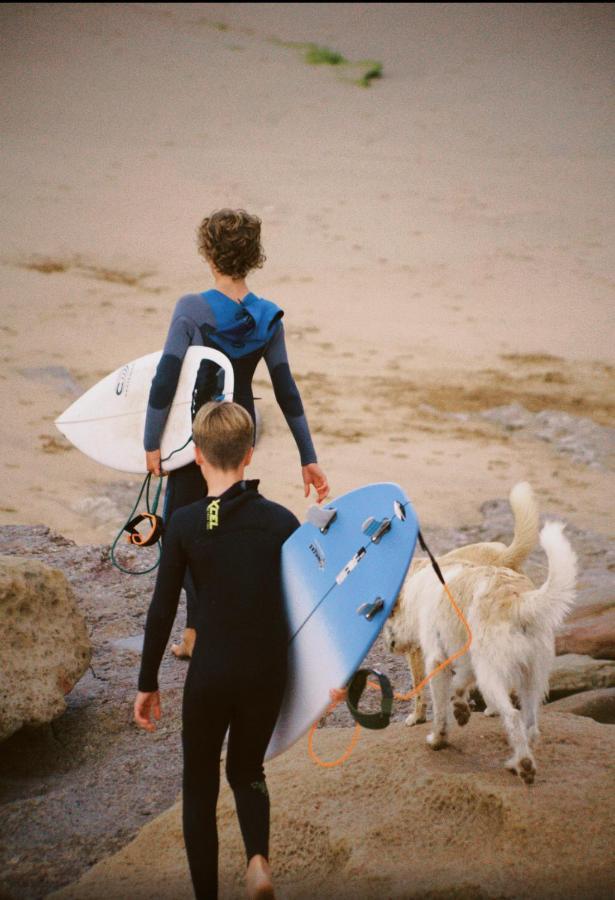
<point>403,697</point>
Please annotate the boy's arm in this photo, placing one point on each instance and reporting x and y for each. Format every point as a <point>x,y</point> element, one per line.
<point>163,607</point>
<point>288,397</point>
<point>164,384</point>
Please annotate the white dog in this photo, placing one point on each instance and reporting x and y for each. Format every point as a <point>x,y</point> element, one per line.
<point>525,512</point>
<point>513,626</point>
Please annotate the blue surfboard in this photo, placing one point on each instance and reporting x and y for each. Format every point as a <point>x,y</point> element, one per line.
<point>341,573</point>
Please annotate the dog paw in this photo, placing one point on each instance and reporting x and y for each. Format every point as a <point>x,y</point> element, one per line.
<point>416,718</point>
<point>461,711</point>
<point>437,740</point>
<point>527,770</point>
<point>524,768</point>
<point>490,711</point>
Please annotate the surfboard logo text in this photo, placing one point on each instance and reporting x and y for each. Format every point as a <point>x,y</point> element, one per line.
<point>319,553</point>
<point>124,380</point>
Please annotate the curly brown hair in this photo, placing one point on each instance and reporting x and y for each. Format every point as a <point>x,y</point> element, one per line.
<point>230,239</point>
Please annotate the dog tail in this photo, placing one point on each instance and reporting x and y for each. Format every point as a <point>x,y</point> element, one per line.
<point>554,599</point>
<point>525,511</point>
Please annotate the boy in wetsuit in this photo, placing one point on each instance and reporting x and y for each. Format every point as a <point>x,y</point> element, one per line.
<point>246,328</point>
<point>230,542</point>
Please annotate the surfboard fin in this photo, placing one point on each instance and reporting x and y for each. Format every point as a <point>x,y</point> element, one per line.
<point>369,610</point>
<point>321,517</point>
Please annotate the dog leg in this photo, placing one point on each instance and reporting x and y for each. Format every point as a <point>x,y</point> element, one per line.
<point>462,681</point>
<point>417,668</point>
<point>530,695</point>
<point>496,695</point>
<point>440,693</point>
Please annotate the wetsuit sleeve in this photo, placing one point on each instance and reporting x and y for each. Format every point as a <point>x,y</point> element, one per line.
<point>164,383</point>
<point>288,397</point>
<point>163,607</point>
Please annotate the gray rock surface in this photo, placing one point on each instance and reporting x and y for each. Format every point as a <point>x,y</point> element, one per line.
<point>589,630</point>
<point>45,643</point>
<point>75,791</point>
<point>79,788</point>
<point>581,440</point>
<point>400,821</point>
<point>597,705</point>
<point>573,673</point>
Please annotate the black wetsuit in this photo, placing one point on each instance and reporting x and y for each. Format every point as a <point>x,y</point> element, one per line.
<point>236,678</point>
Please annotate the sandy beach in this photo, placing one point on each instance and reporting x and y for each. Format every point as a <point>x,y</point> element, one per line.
<point>441,240</point>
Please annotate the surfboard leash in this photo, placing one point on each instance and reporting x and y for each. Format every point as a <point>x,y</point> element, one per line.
<point>156,524</point>
<point>359,681</point>
<point>133,535</point>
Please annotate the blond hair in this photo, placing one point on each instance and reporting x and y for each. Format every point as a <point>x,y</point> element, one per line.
<point>224,433</point>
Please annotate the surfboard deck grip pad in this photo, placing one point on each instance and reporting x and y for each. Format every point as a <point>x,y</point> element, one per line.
<point>369,610</point>
<point>321,518</point>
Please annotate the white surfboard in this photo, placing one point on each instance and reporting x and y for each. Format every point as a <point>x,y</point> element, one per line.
<point>106,423</point>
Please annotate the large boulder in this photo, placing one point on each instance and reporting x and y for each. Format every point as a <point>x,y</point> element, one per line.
<point>589,630</point>
<point>597,705</point>
<point>573,673</point>
<point>45,643</point>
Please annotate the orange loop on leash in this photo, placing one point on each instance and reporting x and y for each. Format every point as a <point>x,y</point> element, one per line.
<point>403,697</point>
<point>347,753</point>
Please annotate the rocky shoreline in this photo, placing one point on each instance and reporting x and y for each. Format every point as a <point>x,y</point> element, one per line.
<point>80,788</point>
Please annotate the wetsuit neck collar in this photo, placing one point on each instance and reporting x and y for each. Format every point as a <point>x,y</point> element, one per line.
<point>235,490</point>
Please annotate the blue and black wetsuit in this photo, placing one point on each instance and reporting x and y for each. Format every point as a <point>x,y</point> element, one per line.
<point>246,332</point>
<point>237,673</point>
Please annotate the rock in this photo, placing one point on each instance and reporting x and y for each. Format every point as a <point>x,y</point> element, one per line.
<point>398,820</point>
<point>583,441</point>
<point>78,785</point>
<point>45,643</point>
<point>589,631</point>
<point>573,673</point>
<point>597,705</point>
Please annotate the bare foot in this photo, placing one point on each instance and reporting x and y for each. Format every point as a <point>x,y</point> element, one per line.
<point>184,650</point>
<point>258,879</point>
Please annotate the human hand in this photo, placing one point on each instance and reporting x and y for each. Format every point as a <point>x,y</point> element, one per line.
<point>153,463</point>
<point>146,704</point>
<point>314,475</point>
